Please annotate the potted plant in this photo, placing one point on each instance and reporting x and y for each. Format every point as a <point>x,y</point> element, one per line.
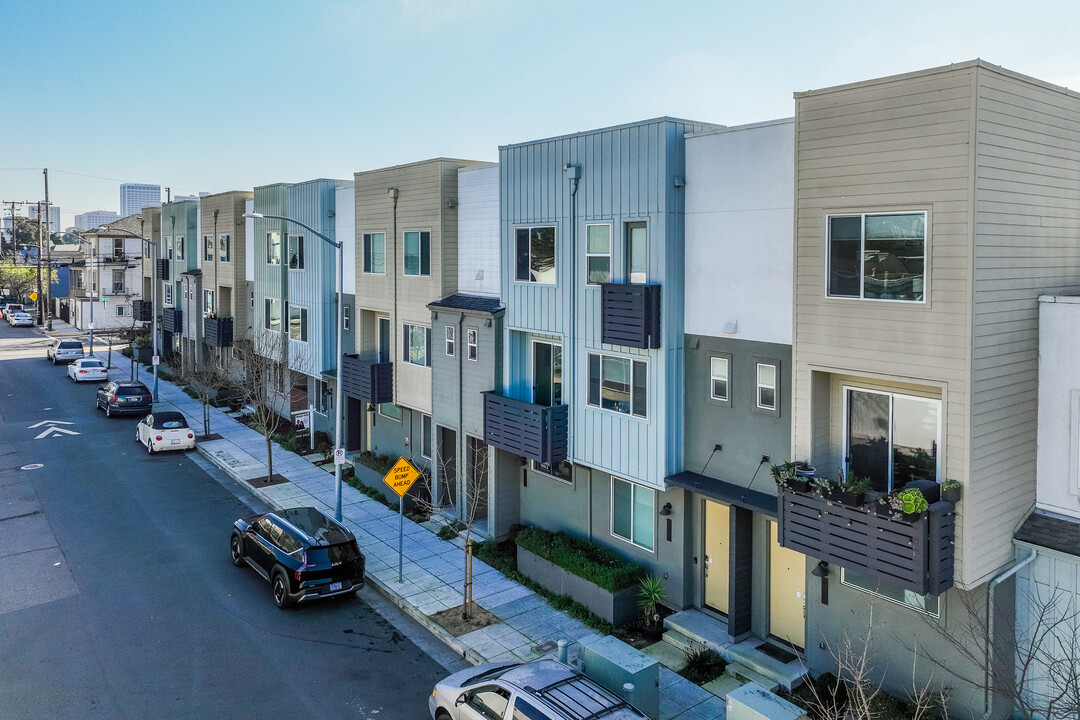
<point>786,475</point>
<point>853,489</point>
<point>803,468</point>
<point>909,504</point>
<point>650,595</point>
<point>950,490</point>
<point>826,488</point>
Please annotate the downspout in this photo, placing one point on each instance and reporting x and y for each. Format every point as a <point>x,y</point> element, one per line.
<point>987,694</point>
<point>573,174</point>
<point>393,193</point>
<point>460,439</point>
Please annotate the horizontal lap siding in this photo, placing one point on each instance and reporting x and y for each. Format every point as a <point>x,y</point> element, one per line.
<point>884,146</point>
<point>1028,204</point>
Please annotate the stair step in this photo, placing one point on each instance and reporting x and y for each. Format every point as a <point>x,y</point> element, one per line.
<point>745,674</point>
<point>680,641</point>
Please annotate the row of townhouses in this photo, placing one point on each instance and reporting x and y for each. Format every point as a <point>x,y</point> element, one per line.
<point>618,333</point>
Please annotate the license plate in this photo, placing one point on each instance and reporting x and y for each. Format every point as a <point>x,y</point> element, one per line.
<point>334,587</point>
<point>174,442</point>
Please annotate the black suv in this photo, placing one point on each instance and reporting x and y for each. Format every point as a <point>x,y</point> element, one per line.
<point>303,553</point>
<point>124,398</point>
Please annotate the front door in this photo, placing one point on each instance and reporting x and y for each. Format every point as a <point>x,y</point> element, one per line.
<point>787,592</point>
<point>717,547</point>
<point>547,373</point>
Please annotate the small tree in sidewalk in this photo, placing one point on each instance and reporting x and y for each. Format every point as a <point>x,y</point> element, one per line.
<point>267,385</point>
<point>206,382</point>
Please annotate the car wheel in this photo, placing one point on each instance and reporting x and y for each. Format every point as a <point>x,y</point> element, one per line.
<point>149,447</point>
<point>108,410</point>
<point>236,551</point>
<point>137,438</point>
<point>280,586</point>
<point>442,715</point>
<point>53,359</point>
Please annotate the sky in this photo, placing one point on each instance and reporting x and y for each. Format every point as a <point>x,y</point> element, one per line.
<point>217,95</point>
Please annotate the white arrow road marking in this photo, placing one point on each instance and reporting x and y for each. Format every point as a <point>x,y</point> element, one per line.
<point>51,422</point>
<point>55,431</point>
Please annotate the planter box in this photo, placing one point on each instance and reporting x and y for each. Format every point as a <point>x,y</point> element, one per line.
<point>619,608</point>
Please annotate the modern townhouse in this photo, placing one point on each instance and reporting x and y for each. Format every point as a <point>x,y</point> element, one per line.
<point>466,358</point>
<point>587,418</point>
<point>181,286</point>
<point>224,303</point>
<point>150,303</point>
<point>932,209</point>
<point>105,277</point>
<point>406,257</point>
<point>737,401</point>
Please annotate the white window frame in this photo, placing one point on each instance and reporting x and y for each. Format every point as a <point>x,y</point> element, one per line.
<point>554,254</point>
<point>367,264</point>
<point>209,306</point>
<point>590,255</point>
<point>346,317</point>
<point>268,309</point>
<point>118,287</point>
<point>472,340</point>
<point>168,295</point>
<point>123,310</point>
<point>451,344</point>
<point>419,253</point>
<point>634,489</point>
<point>224,248</point>
<point>774,387</point>
<point>600,401</point>
<point>407,330</point>
<point>726,359</point>
<point>862,255</point>
<point>208,248</point>
<point>179,251</point>
<point>273,239</point>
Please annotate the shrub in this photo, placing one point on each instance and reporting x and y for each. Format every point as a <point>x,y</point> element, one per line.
<point>583,558</point>
<point>379,463</point>
<point>703,664</point>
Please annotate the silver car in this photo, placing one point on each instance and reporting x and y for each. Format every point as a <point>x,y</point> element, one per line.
<point>64,351</point>
<point>539,690</point>
<point>21,319</point>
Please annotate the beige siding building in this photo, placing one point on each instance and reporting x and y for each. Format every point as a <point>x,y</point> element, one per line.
<point>222,257</point>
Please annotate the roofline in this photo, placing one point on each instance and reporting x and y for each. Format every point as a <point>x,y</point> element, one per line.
<point>482,166</point>
<point>582,133</point>
<point>748,126</point>
<point>468,163</point>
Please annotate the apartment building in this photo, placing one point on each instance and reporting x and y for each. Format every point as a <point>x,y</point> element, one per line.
<point>224,304</point>
<point>105,277</point>
<point>181,283</point>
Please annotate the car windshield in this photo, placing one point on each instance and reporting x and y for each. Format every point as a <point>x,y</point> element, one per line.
<point>70,346</point>
<point>130,391</point>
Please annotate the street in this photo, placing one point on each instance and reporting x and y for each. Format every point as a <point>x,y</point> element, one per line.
<point>117,597</point>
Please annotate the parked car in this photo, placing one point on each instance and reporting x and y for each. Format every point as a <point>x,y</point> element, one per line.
<point>305,554</point>
<point>124,398</point>
<point>164,430</point>
<point>64,351</point>
<point>87,368</point>
<point>538,690</point>
<point>11,309</point>
<point>21,319</point>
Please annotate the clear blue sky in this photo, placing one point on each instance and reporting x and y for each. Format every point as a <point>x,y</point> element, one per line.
<point>215,95</point>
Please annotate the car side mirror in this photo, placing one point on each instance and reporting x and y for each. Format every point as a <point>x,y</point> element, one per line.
<point>462,699</point>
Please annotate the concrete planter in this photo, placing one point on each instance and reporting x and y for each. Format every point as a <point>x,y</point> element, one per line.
<point>618,607</point>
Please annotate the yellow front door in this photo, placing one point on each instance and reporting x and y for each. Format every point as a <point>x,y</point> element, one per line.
<point>787,592</point>
<point>717,530</point>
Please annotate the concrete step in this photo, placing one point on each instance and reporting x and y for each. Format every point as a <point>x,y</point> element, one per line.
<point>695,627</point>
<point>788,675</point>
<point>678,640</point>
<point>744,675</point>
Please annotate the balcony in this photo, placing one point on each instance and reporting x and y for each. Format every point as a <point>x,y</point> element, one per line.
<point>536,431</point>
<point>162,272</point>
<point>142,310</point>
<point>916,556</point>
<point>172,320</point>
<point>218,332</point>
<point>630,315</point>
<point>367,379</point>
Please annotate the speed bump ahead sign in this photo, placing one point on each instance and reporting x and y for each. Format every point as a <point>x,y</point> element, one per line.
<point>401,477</point>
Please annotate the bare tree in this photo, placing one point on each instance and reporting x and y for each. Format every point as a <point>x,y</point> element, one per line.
<point>267,384</point>
<point>206,381</point>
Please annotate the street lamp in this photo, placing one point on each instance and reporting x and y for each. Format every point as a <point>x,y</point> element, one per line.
<point>340,331</point>
<point>153,304</point>
<point>93,300</point>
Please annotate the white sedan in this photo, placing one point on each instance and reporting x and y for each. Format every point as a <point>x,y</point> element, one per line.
<point>164,430</point>
<point>89,368</point>
<point>21,319</point>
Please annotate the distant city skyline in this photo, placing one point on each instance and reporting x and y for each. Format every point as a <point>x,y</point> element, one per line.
<point>374,84</point>
<point>136,196</point>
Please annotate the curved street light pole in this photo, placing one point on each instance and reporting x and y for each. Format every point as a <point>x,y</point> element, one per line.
<point>153,304</point>
<point>340,331</point>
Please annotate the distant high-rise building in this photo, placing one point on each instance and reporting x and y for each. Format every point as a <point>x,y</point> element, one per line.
<point>179,198</point>
<point>54,216</point>
<point>134,197</point>
<point>95,218</point>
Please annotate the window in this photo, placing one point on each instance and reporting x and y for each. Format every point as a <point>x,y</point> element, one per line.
<point>320,396</point>
<point>618,384</point>
<point>224,248</point>
<point>251,299</point>
<point>118,248</point>
<point>296,252</point>
<point>123,311</point>
<point>425,436</point>
<point>527,711</point>
<point>450,340</point>
<point>208,248</point>
<point>891,438</point>
<point>489,702</point>
<point>418,253</point>
<point>877,257</point>
<point>298,323</point>
<point>179,248</point>
<point>273,248</point>
<point>168,294</point>
<point>562,472</point>
<point>632,512</point>
<point>546,373</point>
<point>470,336</point>
<point>637,253</point>
<point>169,247</point>
<point>923,603</point>
<point>390,410</point>
<point>346,314</point>
<point>598,253</point>
<point>383,339</point>
<point>720,370</point>
<point>208,303</point>
<point>415,342</point>
<point>535,254</point>
<point>375,253</point>
<point>117,282</point>
<point>272,319</point>
<point>766,386</point>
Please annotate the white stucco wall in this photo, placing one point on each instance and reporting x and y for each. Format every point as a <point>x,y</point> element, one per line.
<point>478,230</point>
<point>345,233</point>
<point>740,187</point>
<point>1058,472</point>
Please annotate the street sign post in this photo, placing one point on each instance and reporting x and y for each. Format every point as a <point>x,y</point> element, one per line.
<point>400,478</point>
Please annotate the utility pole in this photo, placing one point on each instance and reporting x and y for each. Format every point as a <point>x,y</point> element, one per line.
<point>39,297</point>
<point>12,204</point>
<point>48,251</point>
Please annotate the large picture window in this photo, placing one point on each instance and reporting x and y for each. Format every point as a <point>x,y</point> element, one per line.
<point>535,254</point>
<point>418,253</point>
<point>375,253</point>
<point>617,383</point>
<point>891,438</point>
<point>632,512</point>
<point>877,257</point>
<point>416,341</point>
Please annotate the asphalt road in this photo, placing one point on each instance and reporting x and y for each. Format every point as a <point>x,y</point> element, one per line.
<point>117,597</point>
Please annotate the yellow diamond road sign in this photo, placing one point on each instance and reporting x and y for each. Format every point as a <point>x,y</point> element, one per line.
<point>33,296</point>
<point>401,477</point>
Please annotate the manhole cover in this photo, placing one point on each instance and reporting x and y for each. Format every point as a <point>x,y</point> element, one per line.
<point>32,466</point>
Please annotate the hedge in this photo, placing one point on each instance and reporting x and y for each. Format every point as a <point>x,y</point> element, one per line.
<point>583,558</point>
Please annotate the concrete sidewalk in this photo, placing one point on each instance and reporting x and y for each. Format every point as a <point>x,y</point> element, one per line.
<point>433,569</point>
